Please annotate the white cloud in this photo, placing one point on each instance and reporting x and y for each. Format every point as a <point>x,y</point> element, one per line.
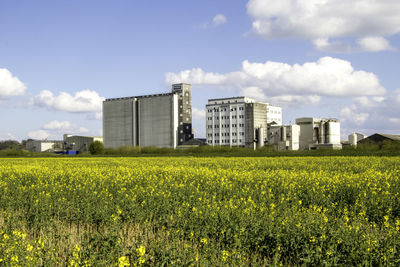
<point>195,76</point>
<point>86,101</point>
<point>64,127</point>
<point>198,113</point>
<point>219,19</point>
<point>321,20</point>
<point>353,116</point>
<point>371,113</point>
<point>374,44</point>
<point>289,83</point>
<point>56,128</point>
<point>324,44</point>
<point>10,85</point>
<point>39,135</point>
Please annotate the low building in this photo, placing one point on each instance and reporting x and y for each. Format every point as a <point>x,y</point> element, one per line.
<point>79,143</point>
<point>319,133</point>
<point>239,121</point>
<point>44,145</point>
<point>379,138</point>
<point>284,137</point>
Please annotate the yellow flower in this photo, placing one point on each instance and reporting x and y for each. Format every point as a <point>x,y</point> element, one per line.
<point>140,251</point>
<point>204,241</point>
<point>123,261</point>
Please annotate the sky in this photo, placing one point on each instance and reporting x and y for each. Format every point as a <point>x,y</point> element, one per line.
<point>315,58</point>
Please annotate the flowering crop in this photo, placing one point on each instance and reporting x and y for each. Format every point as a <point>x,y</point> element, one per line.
<point>200,211</point>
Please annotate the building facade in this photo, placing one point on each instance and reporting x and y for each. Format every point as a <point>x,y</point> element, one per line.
<point>79,143</point>
<point>239,121</point>
<point>355,137</point>
<point>319,133</point>
<point>44,145</point>
<point>284,137</point>
<point>160,120</point>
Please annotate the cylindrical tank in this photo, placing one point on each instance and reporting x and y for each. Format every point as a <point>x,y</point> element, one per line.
<point>260,137</point>
<point>283,133</point>
<point>353,139</point>
<point>322,133</point>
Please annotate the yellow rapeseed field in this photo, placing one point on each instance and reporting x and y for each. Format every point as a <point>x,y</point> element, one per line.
<point>199,211</point>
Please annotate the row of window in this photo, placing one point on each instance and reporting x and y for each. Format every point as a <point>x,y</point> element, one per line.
<point>225,141</point>
<point>226,117</point>
<point>224,109</point>
<point>226,134</point>
<point>216,126</point>
<point>273,111</point>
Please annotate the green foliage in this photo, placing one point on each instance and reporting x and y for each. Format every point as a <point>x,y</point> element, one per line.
<point>96,148</point>
<point>10,144</point>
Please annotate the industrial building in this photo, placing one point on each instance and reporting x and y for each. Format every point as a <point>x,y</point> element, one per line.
<point>284,137</point>
<point>79,143</point>
<point>354,138</point>
<point>319,133</point>
<point>159,120</point>
<point>239,121</point>
<point>75,143</point>
<point>44,145</point>
<point>379,138</point>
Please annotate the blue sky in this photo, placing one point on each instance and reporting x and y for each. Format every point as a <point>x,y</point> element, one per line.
<point>322,58</point>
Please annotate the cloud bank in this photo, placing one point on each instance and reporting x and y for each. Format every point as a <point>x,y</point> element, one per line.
<point>284,83</point>
<point>369,21</point>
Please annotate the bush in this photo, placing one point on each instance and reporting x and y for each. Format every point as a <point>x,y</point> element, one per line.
<point>96,148</point>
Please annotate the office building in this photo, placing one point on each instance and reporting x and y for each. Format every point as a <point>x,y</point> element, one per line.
<point>159,120</point>
<point>239,121</point>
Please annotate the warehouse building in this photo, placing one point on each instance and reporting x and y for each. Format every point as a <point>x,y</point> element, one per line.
<point>319,133</point>
<point>44,145</point>
<point>160,120</point>
<point>380,138</point>
<point>239,121</point>
<point>79,143</point>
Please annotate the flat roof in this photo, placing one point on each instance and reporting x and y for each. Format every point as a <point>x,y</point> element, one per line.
<point>133,97</point>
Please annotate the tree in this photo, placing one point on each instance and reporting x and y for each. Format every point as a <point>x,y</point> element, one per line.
<point>10,144</point>
<point>96,148</point>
